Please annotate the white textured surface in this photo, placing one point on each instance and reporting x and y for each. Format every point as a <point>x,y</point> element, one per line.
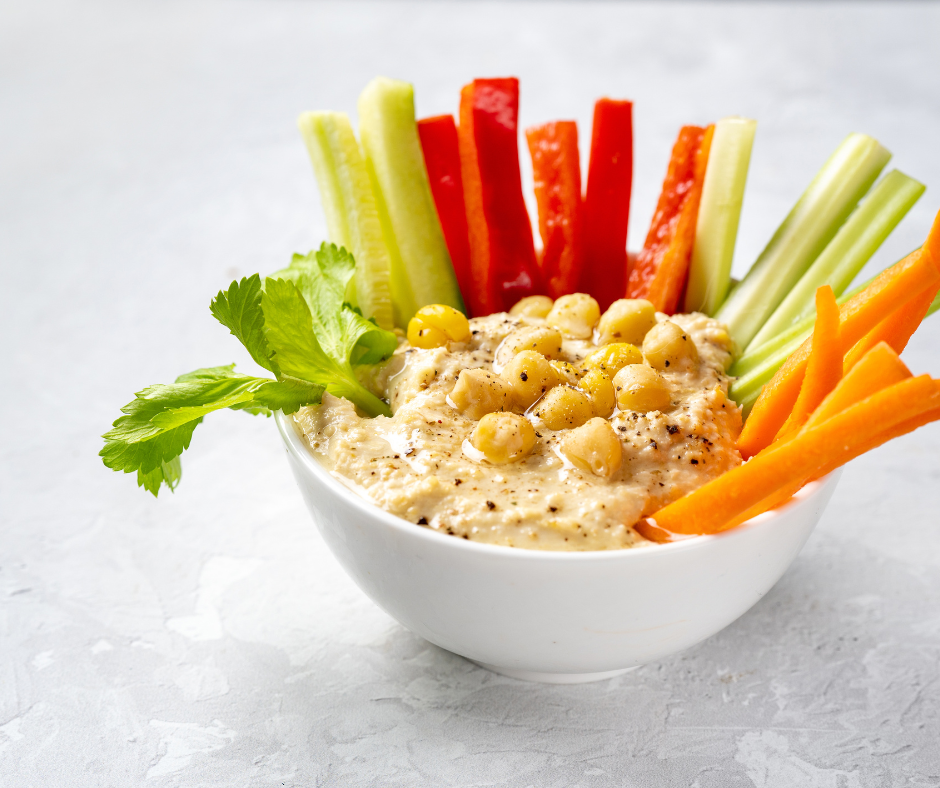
<point>147,155</point>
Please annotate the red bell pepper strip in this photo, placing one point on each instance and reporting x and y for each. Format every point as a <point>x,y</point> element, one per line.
<point>662,268</point>
<point>556,166</point>
<point>502,252</point>
<point>607,202</point>
<point>442,160</point>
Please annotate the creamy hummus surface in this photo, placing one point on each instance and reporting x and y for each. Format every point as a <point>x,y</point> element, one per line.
<point>421,465</point>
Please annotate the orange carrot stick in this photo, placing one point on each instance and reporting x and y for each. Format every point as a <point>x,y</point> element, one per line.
<point>895,286</point>
<point>879,439</point>
<point>859,315</point>
<point>826,446</point>
<point>879,368</point>
<point>824,367</point>
<point>896,329</point>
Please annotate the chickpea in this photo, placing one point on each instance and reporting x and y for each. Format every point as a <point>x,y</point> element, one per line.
<point>564,407</point>
<point>503,437</point>
<point>567,373</point>
<point>529,375</point>
<point>575,315</point>
<point>594,447</point>
<point>437,324</point>
<point>666,345</point>
<point>641,389</point>
<point>478,392</point>
<point>541,339</point>
<point>532,306</point>
<point>598,386</point>
<point>626,320</point>
<point>612,358</point>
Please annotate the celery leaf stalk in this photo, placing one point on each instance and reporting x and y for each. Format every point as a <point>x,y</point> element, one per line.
<point>846,254</point>
<point>352,217</point>
<point>716,228</point>
<point>421,269</point>
<point>806,231</point>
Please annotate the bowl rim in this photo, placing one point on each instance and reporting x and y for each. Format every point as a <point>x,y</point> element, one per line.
<point>297,447</point>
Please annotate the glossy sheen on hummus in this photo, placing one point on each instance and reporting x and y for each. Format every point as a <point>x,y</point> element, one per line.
<point>417,465</point>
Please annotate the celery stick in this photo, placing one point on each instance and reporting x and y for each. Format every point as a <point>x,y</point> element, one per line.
<point>422,272</point>
<point>847,253</point>
<point>756,356</point>
<point>755,369</point>
<point>799,331</point>
<point>352,218</point>
<point>812,223</point>
<point>792,338</point>
<point>747,388</point>
<point>716,229</point>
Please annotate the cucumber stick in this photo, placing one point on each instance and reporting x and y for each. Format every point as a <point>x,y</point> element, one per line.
<point>814,220</point>
<point>352,217</point>
<point>846,254</point>
<point>421,270</point>
<point>716,228</point>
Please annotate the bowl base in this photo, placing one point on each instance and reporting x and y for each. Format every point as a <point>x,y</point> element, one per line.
<point>554,678</point>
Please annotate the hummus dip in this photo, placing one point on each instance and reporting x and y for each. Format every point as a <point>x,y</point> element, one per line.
<point>420,465</point>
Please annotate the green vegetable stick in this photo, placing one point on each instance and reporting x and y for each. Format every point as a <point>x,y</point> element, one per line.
<point>756,370</point>
<point>793,337</point>
<point>351,215</point>
<point>716,229</point>
<point>812,223</point>
<point>421,270</point>
<point>747,388</point>
<point>857,240</point>
<point>790,339</point>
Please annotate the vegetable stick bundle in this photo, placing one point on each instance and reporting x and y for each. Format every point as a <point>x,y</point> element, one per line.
<point>433,212</point>
<point>916,276</point>
<point>843,393</point>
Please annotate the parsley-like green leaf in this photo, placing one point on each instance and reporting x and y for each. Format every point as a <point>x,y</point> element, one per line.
<point>298,352</point>
<point>239,310</point>
<point>296,325</point>
<point>345,335</point>
<point>288,394</point>
<point>158,424</point>
<point>168,473</point>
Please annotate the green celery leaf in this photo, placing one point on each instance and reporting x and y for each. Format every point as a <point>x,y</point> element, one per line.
<point>296,325</point>
<point>158,425</point>
<point>288,394</point>
<point>168,473</point>
<point>345,335</point>
<point>239,310</point>
<point>253,408</point>
<point>289,330</point>
<point>289,326</point>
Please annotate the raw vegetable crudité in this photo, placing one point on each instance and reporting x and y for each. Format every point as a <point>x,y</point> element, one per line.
<point>427,219</point>
<point>607,202</point>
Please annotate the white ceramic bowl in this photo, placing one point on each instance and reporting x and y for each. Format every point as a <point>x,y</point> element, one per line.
<point>552,616</point>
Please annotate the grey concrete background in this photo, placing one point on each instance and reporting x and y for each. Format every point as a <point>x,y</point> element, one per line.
<point>148,154</point>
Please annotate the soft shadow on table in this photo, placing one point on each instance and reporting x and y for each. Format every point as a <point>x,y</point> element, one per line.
<point>811,675</point>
